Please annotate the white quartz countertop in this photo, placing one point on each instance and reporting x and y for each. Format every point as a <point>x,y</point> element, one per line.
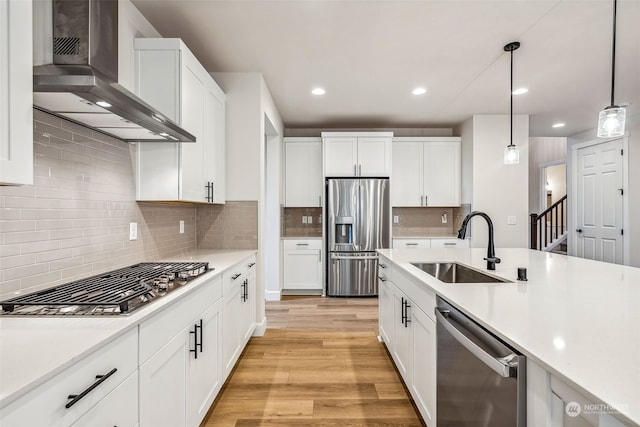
<point>34,349</point>
<point>580,319</point>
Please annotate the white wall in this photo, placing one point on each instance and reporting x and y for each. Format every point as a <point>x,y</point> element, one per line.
<point>632,193</point>
<point>556,181</point>
<point>500,190</point>
<point>543,152</point>
<point>245,135</point>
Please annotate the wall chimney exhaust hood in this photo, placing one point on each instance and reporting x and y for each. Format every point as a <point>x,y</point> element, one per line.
<point>81,84</point>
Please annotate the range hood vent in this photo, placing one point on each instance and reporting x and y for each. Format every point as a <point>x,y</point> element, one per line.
<point>81,84</point>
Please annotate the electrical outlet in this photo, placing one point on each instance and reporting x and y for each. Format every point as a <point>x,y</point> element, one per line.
<point>511,220</point>
<point>444,218</point>
<point>133,231</point>
<point>181,227</point>
<point>319,219</point>
<point>304,219</point>
<point>396,219</point>
<point>309,219</point>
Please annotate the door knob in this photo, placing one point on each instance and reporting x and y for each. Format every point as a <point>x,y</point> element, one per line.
<point>579,230</point>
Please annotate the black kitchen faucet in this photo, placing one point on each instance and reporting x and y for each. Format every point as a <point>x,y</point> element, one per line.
<point>491,258</point>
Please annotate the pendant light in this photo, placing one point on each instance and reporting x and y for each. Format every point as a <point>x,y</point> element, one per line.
<point>511,153</point>
<point>611,120</point>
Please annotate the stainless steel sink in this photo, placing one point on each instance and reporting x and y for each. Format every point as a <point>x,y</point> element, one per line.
<point>452,272</point>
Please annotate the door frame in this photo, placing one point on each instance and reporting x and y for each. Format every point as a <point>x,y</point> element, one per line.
<point>542,193</point>
<point>572,211</point>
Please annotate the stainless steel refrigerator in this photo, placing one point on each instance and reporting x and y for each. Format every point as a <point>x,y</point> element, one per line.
<point>357,221</point>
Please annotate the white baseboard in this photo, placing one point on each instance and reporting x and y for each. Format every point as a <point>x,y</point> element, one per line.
<point>272,295</point>
<point>261,327</point>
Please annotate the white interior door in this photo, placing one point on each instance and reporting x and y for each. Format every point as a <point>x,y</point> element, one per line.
<point>599,202</point>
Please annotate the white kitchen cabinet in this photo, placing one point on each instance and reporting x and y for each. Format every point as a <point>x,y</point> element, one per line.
<point>114,363</point>
<point>179,381</point>
<point>426,172</point>
<point>249,299</point>
<point>16,94</point>
<point>302,264</point>
<point>303,172</point>
<point>170,78</point>
<point>411,243</point>
<point>118,408</point>
<point>423,363</point>
<point>357,154</point>
<point>231,336</point>
<point>439,242</point>
<point>407,326</point>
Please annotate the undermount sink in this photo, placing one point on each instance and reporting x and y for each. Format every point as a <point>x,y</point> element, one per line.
<point>452,272</point>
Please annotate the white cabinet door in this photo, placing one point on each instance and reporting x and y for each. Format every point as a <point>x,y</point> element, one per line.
<point>340,156</point>
<point>402,337</point>
<point>214,153</point>
<point>407,181</point>
<point>385,308</point>
<point>441,185</point>
<point>205,371</point>
<point>423,376</point>
<point>118,408</point>
<point>302,264</point>
<point>163,385</point>
<point>231,335</point>
<point>374,156</point>
<point>249,299</point>
<point>192,180</point>
<point>16,100</point>
<point>449,243</point>
<point>303,172</point>
<point>409,243</point>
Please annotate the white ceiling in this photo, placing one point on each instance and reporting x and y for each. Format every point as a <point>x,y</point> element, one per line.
<point>370,54</point>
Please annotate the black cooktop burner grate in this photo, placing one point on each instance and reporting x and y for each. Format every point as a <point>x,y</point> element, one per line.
<point>115,288</point>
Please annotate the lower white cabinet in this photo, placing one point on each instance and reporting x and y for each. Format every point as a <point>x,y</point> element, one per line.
<point>411,243</point>
<point>239,311</point>
<point>179,382</point>
<point>429,242</point>
<point>437,242</point>
<point>407,327</point>
<point>48,405</point>
<point>118,408</point>
<point>302,264</point>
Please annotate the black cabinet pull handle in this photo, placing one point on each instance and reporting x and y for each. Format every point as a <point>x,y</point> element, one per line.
<point>404,316</point>
<point>406,313</point>
<point>246,289</point>
<point>100,379</point>
<point>235,276</point>
<point>201,332</point>
<point>195,341</point>
<point>252,264</point>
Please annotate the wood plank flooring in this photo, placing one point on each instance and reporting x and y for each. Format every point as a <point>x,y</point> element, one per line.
<point>318,364</point>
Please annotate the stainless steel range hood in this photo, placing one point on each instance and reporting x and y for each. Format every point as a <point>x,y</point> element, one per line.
<point>81,84</point>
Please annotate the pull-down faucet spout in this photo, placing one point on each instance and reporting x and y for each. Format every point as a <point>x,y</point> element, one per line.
<point>491,258</point>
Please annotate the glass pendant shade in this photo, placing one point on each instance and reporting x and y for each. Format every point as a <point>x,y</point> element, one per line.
<point>511,155</point>
<point>611,122</point>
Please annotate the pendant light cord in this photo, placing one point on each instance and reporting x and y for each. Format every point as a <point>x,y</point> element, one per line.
<point>613,55</point>
<point>511,115</point>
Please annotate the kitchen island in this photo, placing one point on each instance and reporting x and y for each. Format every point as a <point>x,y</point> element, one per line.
<point>577,319</point>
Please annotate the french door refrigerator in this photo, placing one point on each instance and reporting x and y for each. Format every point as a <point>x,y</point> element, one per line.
<point>357,223</point>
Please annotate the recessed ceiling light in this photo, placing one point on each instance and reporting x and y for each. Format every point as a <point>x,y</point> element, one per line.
<point>520,91</point>
<point>103,104</point>
<point>419,91</point>
<point>557,125</point>
<point>318,91</point>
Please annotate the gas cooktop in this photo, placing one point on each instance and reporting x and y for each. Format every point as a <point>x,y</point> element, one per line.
<point>118,292</point>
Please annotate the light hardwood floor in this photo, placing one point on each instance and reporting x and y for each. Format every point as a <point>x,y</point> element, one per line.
<point>318,364</point>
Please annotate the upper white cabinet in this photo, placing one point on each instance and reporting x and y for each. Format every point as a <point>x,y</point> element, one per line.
<point>170,78</point>
<point>16,95</point>
<point>357,154</point>
<point>303,172</point>
<point>426,172</point>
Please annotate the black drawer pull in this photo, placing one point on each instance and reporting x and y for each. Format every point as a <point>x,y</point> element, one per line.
<point>235,276</point>
<point>252,264</point>
<point>100,379</point>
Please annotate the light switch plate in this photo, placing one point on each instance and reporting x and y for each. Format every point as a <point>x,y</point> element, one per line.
<point>511,220</point>
<point>396,219</point>
<point>133,231</point>
<point>181,227</point>
<point>304,219</point>
<point>444,218</point>
<point>309,219</point>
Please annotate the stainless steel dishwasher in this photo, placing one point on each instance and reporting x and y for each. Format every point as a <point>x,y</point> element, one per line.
<point>481,381</point>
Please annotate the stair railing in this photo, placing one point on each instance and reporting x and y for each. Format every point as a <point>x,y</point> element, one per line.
<point>549,225</point>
